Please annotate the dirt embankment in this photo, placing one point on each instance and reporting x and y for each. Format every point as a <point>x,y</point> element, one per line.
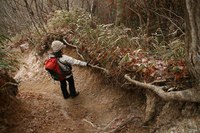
<point>100,107</point>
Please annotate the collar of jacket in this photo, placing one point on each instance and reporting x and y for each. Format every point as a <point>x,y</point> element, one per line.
<point>51,55</point>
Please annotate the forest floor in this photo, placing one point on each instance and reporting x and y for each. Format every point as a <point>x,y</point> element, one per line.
<point>101,107</point>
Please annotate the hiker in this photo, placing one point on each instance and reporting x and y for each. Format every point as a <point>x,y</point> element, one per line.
<point>65,60</point>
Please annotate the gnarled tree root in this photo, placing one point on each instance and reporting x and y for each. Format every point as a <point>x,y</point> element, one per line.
<point>150,110</point>
<point>191,95</point>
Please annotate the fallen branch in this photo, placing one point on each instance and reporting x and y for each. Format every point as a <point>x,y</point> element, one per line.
<point>79,54</point>
<point>191,95</point>
<point>75,47</point>
<point>100,68</point>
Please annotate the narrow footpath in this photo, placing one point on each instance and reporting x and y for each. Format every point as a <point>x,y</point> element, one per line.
<point>100,107</point>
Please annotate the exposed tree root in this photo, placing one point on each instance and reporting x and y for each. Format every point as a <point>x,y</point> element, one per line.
<point>150,106</point>
<point>120,125</point>
<point>191,95</point>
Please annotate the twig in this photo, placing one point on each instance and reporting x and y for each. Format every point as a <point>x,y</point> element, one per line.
<point>75,47</point>
<point>173,13</point>
<point>108,125</point>
<point>69,44</point>
<point>101,68</point>
<point>9,83</point>
<point>90,123</point>
<point>93,66</point>
<point>168,19</point>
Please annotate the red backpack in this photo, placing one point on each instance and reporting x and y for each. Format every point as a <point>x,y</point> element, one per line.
<point>52,66</point>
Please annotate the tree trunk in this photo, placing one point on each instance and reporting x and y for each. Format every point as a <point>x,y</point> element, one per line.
<point>192,47</point>
<point>92,13</point>
<point>67,5</point>
<point>118,20</point>
<point>192,43</point>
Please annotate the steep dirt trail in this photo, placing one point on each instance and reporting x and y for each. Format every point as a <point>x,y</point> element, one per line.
<point>100,107</point>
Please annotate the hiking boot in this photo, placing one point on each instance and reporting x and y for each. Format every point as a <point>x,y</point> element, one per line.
<point>77,93</point>
<point>67,96</point>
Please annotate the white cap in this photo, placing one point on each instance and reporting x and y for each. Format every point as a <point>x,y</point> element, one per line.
<point>57,46</point>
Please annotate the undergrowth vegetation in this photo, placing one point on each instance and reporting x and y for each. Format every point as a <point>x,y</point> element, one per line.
<point>7,62</point>
<point>118,49</point>
<point>8,86</point>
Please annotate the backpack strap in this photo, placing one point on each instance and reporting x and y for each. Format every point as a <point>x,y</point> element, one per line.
<point>66,68</point>
<point>64,64</point>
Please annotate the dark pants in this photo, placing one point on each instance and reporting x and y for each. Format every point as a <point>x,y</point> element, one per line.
<point>63,86</point>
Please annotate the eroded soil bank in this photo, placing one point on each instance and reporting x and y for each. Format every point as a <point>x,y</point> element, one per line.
<point>100,107</point>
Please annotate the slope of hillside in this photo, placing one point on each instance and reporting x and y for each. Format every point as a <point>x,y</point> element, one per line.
<point>100,107</point>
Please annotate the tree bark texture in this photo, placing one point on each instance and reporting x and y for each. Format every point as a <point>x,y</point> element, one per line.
<point>150,110</point>
<point>192,43</point>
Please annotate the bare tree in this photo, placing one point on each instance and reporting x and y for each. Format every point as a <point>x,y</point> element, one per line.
<point>31,15</point>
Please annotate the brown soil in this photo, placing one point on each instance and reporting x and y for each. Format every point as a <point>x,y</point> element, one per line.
<point>100,107</point>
